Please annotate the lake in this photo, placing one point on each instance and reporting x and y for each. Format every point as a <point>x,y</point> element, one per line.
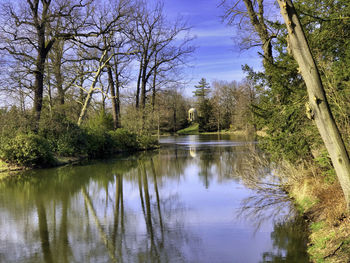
<point>192,200</point>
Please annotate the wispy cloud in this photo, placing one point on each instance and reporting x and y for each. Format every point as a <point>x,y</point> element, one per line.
<point>213,32</point>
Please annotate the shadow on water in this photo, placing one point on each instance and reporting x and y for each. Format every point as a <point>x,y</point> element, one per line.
<point>171,205</point>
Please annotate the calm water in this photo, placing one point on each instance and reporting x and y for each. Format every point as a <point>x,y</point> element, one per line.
<point>182,203</point>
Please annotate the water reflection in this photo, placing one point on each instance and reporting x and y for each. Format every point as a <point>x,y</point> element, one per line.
<point>173,205</point>
<point>288,242</point>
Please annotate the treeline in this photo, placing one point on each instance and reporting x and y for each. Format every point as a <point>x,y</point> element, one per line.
<point>225,105</point>
<point>68,66</point>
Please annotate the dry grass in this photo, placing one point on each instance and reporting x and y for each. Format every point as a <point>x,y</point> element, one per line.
<point>324,206</point>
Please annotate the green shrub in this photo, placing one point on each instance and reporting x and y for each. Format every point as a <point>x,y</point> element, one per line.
<point>65,137</point>
<point>325,163</point>
<point>27,150</point>
<point>100,121</point>
<point>124,140</point>
<point>99,143</point>
<point>146,142</point>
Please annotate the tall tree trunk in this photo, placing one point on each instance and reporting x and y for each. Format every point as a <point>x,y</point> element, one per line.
<point>43,49</point>
<point>154,85</point>
<point>113,97</point>
<point>138,87</point>
<point>38,88</point>
<point>57,60</point>
<point>143,92</point>
<point>82,94</point>
<point>59,83</point>
<point>117,93</point>
<point>258,21</point>
<point>319,107</point>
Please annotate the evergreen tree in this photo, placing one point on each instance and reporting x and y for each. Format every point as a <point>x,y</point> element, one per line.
<point>205,107</point>
<point>202,89</point>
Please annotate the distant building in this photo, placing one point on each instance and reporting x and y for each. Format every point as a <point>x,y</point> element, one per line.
<point>192,115</point>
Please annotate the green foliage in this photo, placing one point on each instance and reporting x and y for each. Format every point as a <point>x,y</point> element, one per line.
<point>317,226</point>
<point>27,150</point>
<point>140,120</point>
<point>14,121</point>
<point>202,89</point>
<point>146,142</point>
<point>206,118</point>
<point>280,110</point>
<point>64,136</point>
<point>102,121</point>
<point>99,143</point>
<point>325,163</point>
<point>124,140</point>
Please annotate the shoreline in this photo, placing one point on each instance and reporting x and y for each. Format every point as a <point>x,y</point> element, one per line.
<point>322,206</point>
<point>7,170</point>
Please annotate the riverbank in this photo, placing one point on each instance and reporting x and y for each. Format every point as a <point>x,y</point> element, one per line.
<point>193,129</point>
<point>28,151</point>
<point>323,207</point>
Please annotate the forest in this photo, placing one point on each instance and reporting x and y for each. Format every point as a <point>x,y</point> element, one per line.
<point>91,78</point>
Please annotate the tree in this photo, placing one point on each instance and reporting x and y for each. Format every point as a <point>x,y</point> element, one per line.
<point>205,107</point>
<point>28,35</point>
<point>202,89</point>
<point>104,47</point>
<point>254,12</point>
<point>282,95</point>
<point>155,38</point>
<point>318,107</point>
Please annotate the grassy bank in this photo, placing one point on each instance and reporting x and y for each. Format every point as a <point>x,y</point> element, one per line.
<point>322,203</point>
<point>192,129</point>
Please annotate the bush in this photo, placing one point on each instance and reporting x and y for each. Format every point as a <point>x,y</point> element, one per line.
<point>124,140</point>
<point>99,143</point>
<point>147,142</point>
<point>27,150</point>
<point>100,121</point>
<point>64,136</point>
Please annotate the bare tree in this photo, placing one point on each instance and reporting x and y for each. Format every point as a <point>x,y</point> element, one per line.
<point>108,45</point>
<point>154,38</point>
<point>254,12</point>
<point>27,34</point>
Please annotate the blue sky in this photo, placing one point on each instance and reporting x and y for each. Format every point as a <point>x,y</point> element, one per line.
<point>216,57</point>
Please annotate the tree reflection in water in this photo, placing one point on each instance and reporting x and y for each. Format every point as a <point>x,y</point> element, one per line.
<point>289,241</point>
<point>270,201</point>
<point>172,205</point>
<point>82,215</point>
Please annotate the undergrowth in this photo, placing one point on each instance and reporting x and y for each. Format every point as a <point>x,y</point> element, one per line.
<point>322,203</point>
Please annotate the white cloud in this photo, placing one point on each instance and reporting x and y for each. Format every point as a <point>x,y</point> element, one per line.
<point>213,32</point>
